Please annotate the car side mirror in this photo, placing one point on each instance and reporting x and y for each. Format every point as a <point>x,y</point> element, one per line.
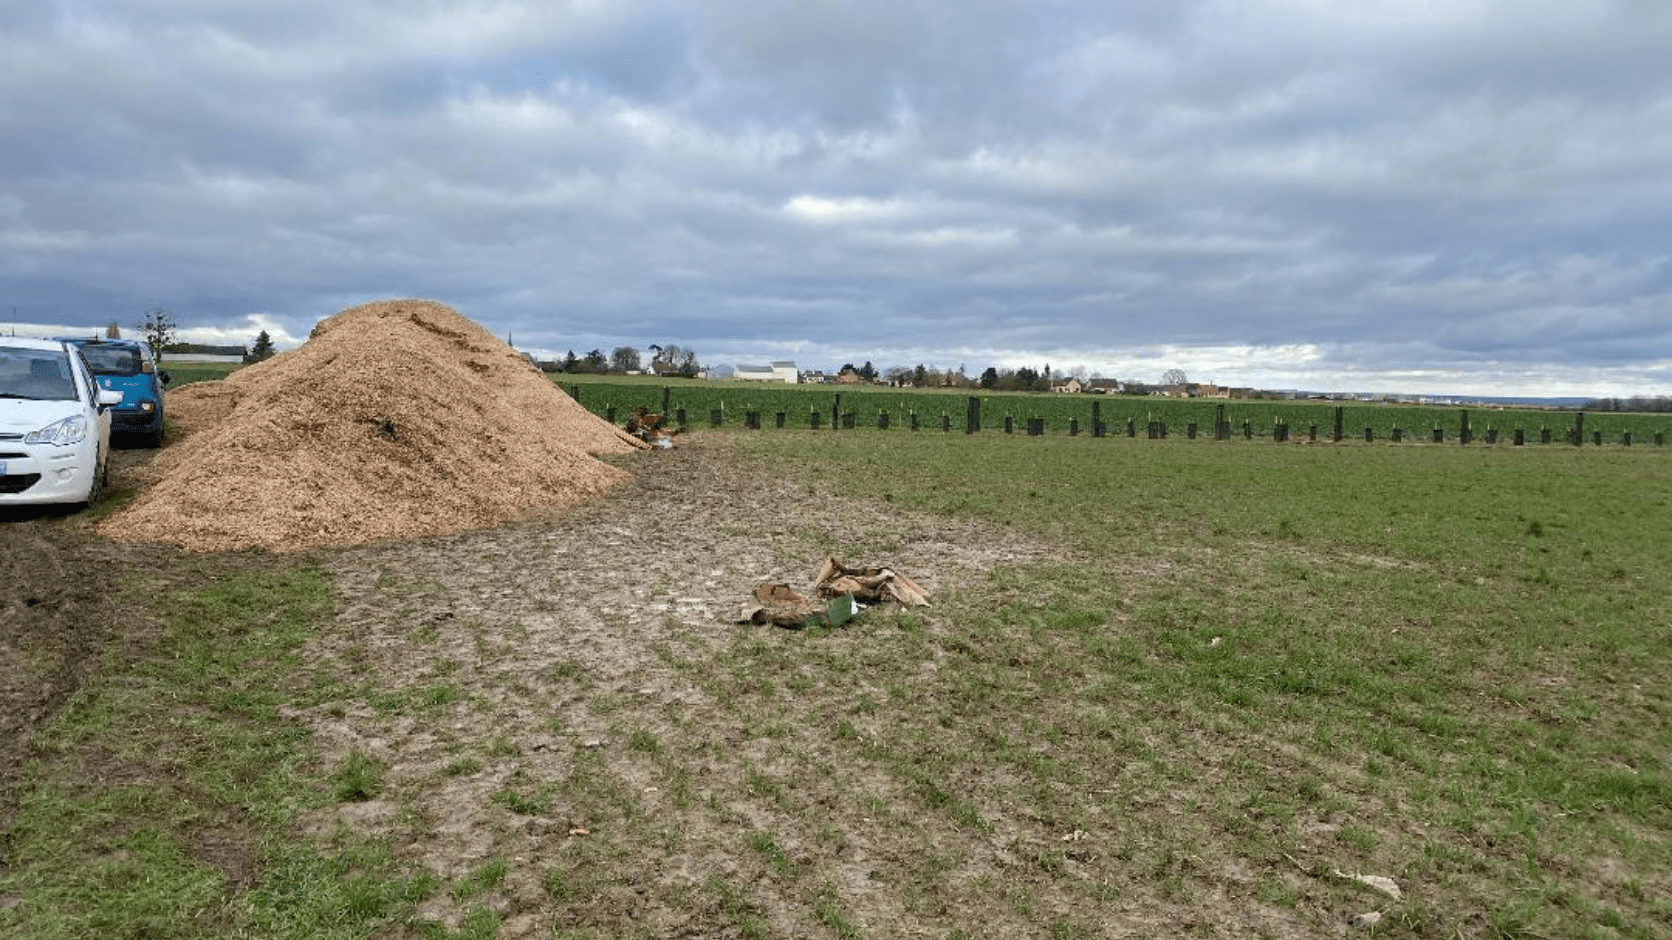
<point>166,378</point>
<point>109,398</point>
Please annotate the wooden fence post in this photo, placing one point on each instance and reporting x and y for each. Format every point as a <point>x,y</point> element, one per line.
<point>1036,427</point>
<point>1626,438</point>
<point>1578,433</point>
<point>575,392</point>
<point>666,395</point>
<point>715,416</point>
<point>814,419</point>
<point>914,420</point>
<point>972,416</point>
<point>1190,430</point>
<point>1439,435</point>
<point>946,422</point>
<point>1596,437</point>
<point>1520,438</point>
<point>1398,434</point>
<point>1073,427</point>
<point>847,420</point>
<point>1464,433</point>
<point>1096,418</point>
<point>1131,427</point>
<point>1338,413</point>
<point>1544,436</point>
<point>1369,435</point>
<point>1247,430</point>
<point>882,420</point>
<point>609,414</point>
<point>778,420</point>
<point>1009,424</point>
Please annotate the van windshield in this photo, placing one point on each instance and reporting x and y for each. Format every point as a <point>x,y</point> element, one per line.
<point>35,373</point>
<point>111,360</point>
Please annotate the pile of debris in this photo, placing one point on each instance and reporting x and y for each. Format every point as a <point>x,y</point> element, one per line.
<point>839,593</point>
<point>650,427</point>
<point>395,419</point>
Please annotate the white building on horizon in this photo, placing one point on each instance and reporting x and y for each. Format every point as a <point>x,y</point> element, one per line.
<point>776,372</point>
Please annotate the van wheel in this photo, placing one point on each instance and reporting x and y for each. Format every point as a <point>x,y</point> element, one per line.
<point>154,439</point>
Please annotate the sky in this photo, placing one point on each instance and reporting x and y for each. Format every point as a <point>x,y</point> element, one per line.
<point>1431,196</point>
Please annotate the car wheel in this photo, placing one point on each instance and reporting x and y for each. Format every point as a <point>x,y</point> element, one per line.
<point>96,490</point>
<point>154,439</point>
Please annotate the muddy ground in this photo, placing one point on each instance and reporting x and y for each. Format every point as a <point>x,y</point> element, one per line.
<point>609,602</point>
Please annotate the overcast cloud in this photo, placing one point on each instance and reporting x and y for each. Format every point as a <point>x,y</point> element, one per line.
<point>1378,195</point>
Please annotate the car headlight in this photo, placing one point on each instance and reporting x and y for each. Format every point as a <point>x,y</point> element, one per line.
<point>71,430</point>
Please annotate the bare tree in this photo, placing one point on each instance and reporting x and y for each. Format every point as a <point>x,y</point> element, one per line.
<point>158,330</point>
<point>1174,377</point>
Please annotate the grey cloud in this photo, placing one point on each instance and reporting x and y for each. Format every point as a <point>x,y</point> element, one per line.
<point>1452,183</point>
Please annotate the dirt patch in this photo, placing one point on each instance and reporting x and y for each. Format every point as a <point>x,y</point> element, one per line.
<point>396,419</point>
<point>550,650</point>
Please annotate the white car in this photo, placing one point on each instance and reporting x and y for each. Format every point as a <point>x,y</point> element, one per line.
<point>54,424</point>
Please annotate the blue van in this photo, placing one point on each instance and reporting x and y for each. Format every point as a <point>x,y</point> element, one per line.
<point>125,365</point>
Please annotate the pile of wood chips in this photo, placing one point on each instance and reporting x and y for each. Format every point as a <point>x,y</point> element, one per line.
<point>395,419</point>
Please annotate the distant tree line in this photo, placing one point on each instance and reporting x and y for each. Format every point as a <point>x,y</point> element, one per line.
<point>1638,403</point>
<point>671,359</point>
<point>1025,379</point>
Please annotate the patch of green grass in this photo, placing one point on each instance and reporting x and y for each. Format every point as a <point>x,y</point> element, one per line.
<point>483,878</point>
<point>644,741</point>
<point>173,769</point>
<point>829,910</point>
<point>463,767</point>
<point>775,857</point>
<point>521,803</point>
<point>357,778</point>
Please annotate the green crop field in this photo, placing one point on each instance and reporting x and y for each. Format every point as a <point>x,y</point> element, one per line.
<point>185,373</point>
<point>733,400</point>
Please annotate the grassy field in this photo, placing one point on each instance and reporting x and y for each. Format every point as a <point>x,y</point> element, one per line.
<point>185,373</point>
<point>1243,670</point>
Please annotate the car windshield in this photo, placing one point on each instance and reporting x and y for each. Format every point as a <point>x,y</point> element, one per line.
<point>111,360</point>
<point>35,373</point>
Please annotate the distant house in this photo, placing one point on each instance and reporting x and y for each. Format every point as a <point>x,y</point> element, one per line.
<point>1071,387</point>
<point>776,372</point>
<point>812,377</point>
<point>1105,386</point>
